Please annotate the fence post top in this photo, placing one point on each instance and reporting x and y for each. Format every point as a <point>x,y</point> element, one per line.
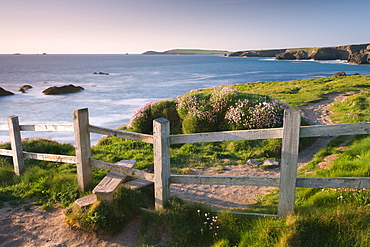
<point>161,120</point>
<point>83,109</point>
<point>293,110</point>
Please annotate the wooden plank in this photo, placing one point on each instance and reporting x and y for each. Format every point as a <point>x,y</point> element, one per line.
<point>289,162</point>
<point>161,132</point>
<point>47,127</point>
<point>112,180</point>
<point>335,130</point>
<point>237,135</point>
<point>334,182</point>
<point>123,170</point>
<point>122,134</point>
<point>86,200</point>
<point>83,151</point>
<point>16,144</point>
<point>6,152</point>
<point>109,183</point>
<point>137,184</point>
<point>225,180</point>
<point>51,157</point>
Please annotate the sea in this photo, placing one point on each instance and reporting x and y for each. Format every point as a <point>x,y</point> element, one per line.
<point>132,81</point>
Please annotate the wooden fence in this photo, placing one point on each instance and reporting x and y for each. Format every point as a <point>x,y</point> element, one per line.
<point>161,140</point>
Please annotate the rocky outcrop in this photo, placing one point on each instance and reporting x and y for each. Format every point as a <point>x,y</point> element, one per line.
<point>62,90</point>
<point>100,73</point>
<point>257,53</point>
<point>340,74</point>
<point>4,92</point>
<point>356,54</point>
<point>23,88</point>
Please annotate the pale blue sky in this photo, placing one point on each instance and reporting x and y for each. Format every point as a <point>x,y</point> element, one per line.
<point>135,26</point>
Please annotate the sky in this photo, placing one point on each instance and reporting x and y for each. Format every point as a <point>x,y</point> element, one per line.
<point>136,26</point>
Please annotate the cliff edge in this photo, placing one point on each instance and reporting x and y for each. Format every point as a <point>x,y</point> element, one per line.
<point>355,54</point>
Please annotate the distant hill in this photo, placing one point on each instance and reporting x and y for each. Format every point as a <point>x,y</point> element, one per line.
<point>187,52</point>
<point>355,54</point>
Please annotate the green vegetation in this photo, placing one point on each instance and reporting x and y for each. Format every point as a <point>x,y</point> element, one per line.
<point>45,183</point>
<point>189,52</point>
<point>196,51</point>
<point>108,219</point>
<point>323,217</point>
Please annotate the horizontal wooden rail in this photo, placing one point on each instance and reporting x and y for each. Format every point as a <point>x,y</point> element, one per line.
<point>334,182</point>
<point>335,130</point>
<point>123,170</point>
<point>236,135</point>
<point>308,182</point>
<point>46,157</point>
<point>6,152</point>
<point>121,133</point>
<point>305,131</point>
<point>225,180</point>
<point>42,127</point>
<point>51,157</point>
<point>47,127</point>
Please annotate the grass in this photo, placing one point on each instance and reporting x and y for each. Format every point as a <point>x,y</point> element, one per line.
<point>323,217</point>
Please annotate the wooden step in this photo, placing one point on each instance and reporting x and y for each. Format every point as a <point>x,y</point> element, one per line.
<point>137,184</point>
<point>86,200</point>
<point>110,183</point>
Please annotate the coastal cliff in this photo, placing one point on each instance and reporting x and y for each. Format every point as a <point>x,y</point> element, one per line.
<point>355,54</point>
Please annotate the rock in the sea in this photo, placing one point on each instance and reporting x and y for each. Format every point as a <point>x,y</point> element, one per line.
<point>100,73</point>
<point>340,74</point>
<point>62,90</point>
<point>23,88</point>
<point>3,92</point>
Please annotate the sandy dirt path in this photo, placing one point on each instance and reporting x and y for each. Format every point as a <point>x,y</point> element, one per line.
<point>28,225</point>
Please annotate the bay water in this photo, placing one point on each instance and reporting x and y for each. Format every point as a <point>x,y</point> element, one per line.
<point>132,81</point>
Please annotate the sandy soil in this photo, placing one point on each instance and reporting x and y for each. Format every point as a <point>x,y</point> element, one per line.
<point>28,225</point>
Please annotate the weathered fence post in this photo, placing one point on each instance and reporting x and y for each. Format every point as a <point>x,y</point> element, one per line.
<point>83,151</point>
<point>289,162</point>
<point>16,144</point>
<point>161,132</point>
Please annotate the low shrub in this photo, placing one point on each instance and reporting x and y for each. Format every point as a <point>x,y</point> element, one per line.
<point>222,109</point>
<point>142,119</point>
<point>227,109</point>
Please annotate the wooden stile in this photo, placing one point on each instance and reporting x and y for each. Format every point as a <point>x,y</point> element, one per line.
<point>110,183</point>
<point>290,133</point>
